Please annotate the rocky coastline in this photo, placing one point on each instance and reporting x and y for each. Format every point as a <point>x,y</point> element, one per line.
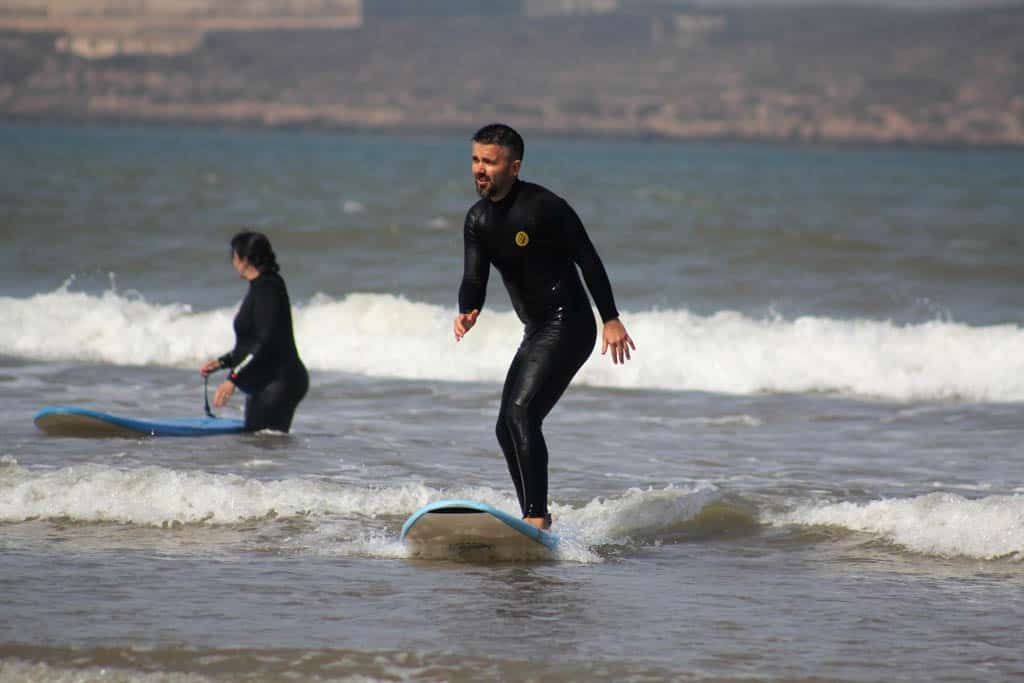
<point>839,76</point>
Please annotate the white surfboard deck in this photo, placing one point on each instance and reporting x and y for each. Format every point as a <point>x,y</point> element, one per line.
<point>82,422</point>
<point>469,529</point>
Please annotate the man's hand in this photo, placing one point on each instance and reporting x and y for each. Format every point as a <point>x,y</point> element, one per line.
<point>464,323</point>
<point>615,337</point>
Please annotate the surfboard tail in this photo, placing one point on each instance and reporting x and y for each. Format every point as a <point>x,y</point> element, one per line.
<point>82,422</point>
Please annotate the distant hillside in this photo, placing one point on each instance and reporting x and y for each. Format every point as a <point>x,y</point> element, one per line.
<point>811,74</point>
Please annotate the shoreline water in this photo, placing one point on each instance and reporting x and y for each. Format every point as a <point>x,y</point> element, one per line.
<point>316,125</point>
<point>810,469</point>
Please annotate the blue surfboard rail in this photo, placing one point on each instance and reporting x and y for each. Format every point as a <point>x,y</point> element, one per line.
<point>50,419</point>
<point>545,538</point>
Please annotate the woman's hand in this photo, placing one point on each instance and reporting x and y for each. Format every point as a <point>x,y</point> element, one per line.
<point>223,393</point>
<point>209,366</point>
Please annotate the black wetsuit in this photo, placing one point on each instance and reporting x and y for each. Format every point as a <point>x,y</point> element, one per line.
<point>265,363</point>
<point>535,240</point>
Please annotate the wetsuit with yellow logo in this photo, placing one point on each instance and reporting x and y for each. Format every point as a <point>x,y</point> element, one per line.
<point>536,241</point>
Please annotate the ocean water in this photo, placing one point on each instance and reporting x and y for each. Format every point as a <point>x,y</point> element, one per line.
<point>811,470</point>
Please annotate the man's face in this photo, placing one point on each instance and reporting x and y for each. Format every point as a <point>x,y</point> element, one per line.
<point>493,171</point>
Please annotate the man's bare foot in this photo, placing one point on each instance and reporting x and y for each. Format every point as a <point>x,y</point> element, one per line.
<point>539,522</point>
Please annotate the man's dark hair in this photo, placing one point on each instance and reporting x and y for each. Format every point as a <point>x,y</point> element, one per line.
<point>500,134</point>
<point>256,249</point>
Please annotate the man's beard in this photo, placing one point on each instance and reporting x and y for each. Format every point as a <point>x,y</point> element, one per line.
<point>485,191</point>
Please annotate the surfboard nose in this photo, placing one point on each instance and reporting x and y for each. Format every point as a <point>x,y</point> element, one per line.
<point>455,528</point>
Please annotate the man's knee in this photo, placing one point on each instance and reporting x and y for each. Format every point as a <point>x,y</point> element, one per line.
<point>516,418</point>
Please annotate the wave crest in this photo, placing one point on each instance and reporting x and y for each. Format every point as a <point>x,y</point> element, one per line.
<point>383,335</point>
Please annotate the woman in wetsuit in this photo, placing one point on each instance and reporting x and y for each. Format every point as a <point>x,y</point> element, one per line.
<point>265,363</point>
<point>536,241</point>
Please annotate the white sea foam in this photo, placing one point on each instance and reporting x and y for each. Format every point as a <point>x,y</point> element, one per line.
<point>384,335</point>
<point>14,670</point>
<point>156,496</point>
<point>160,497</point>
<point>942,524</point>
<point>636,512</point>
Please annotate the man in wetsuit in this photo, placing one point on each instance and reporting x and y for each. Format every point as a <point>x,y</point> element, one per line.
<point>536,241</point>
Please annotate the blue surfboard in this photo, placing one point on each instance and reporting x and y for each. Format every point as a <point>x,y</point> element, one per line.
<point>71,421</point>
<point>469,529</point>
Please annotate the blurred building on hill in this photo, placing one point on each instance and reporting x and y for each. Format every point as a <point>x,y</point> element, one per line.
<point>106,28</point>
<point>546,8</point>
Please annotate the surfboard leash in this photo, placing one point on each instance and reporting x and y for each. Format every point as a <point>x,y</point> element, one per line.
<point>206,396</point>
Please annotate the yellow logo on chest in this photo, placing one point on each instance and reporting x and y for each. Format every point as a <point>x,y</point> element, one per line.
<point>522,239</point>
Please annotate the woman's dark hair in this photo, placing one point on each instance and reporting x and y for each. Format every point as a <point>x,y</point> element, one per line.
<point>255,248</point>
